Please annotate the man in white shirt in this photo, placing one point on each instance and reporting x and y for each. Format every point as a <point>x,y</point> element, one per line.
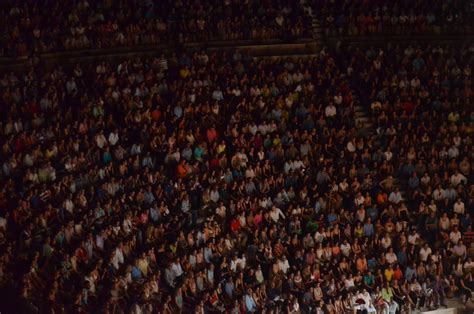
<point>425,251</point>
<point>330,111</point>
<point>458,207</point>
<point>263,128</point>
<point>253,128</point>
<point>453,152</point>
<point>351,148</point>
<point>242,262</point>
<point>284,264</point>
<point>460,250</point>
<point>346,248</point>
<point>118,258</point>
<point>469,264</point>
<point>234,263</point>
<point>113,138</point>
<point>217,94</point>
<point>438,194</point>
<point>176,268</point>
<point>100,139</point>
<point>458,178</point>
<point>455,235</point>
<point>221,210</point>
<point>395,197</point>
<point>276,213</point>
<point>391,257</point>
<point>386,241</point>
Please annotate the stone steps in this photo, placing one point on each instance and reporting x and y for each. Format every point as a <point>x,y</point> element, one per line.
<point>316,30</point>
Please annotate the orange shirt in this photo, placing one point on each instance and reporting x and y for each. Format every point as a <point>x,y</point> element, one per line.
<point>361,264</point>
<point>182,172</point>
<point>382,198</point>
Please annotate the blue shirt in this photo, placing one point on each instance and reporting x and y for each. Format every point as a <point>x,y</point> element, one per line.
<point>371,263</point>
<point>154,214</point>
<point>207,254</point>
<point>229,289</point>
<point>402,258</point>
<point>414,182</point>
<point>410,273</point>
<point>373,213</point>
<point>368,230</point>
<point>331,218</point>
<point>136,273</point>
<point>250,303</point>
<point>107,157</point>
<point>178,111</point>
<point>149,197</point>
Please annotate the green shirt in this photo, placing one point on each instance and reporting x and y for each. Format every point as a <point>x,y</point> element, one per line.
<point>387,294</point>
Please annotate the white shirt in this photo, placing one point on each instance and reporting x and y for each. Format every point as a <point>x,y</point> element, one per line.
<point>438,194</point>
<point>113,138</point>
<point>118,258</point>
<point>100,140</point>
<point>351,147</point>
<point>330,111</point>
<point>284,265</point>
<point>127,225</point>
<point>459,208</point>
<point>177,269</point>
<point>456,179</point>
<point>386,242</point>
<point>221,211</point>
<point>348,283</point>
<point>424,252</point>
<point>455,236</point>
<point>346,249</point>
<point>395,197</point>
<point>453,152</point>
<point>391,258</point>
<point>275,214</point>
<point>468,265</point>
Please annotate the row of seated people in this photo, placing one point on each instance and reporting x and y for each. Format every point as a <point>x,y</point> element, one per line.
<point>382,17</point>
<point>48,26</point>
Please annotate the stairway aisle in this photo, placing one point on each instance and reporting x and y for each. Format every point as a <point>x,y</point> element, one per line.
<point>316,30</point>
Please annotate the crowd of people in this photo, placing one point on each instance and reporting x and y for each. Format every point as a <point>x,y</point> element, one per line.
<point>47,26</point>
<point>369,17</point>
<point>213,182</point>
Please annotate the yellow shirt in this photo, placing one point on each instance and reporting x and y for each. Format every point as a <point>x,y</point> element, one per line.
<point>389,274</point>
<point>143,266</point>
<point>220,148</point>
<point>184,73</point>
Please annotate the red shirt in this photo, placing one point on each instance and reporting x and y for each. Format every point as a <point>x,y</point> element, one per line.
<point>214,163</point>
<point>211,135</point>
<point>397,274</point>
<point>235,225</point>
<point>156,114</point>
<point>181,171</point>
